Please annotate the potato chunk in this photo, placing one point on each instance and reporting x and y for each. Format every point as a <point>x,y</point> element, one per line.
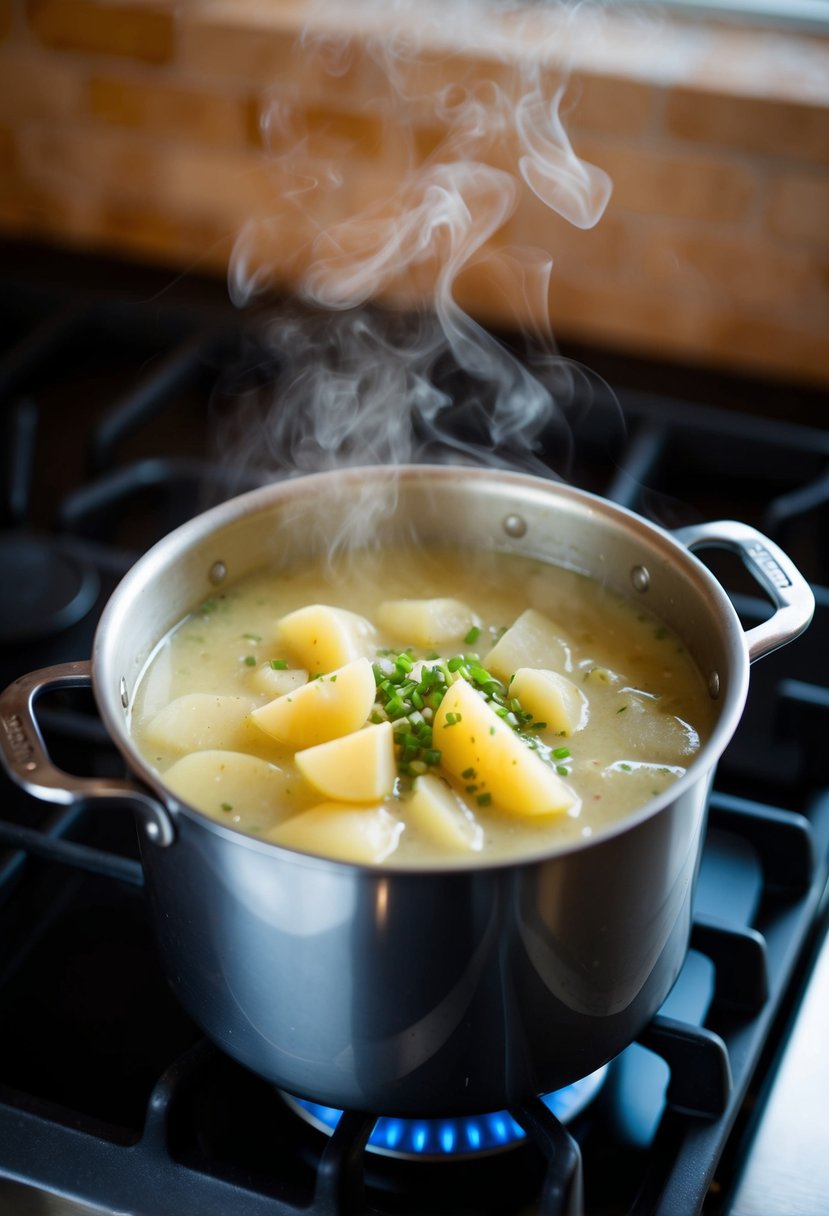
<point>551,698</point>
<point>354,768</point>
<point>364,834</point>
<point>322,638</point>
<point>480,749</point>
<point>200,720</point>
<point>246,789</point>
<point>426,622</point>
<point>438,814</point>
<point>531,641</point>
<point>276,681</point>
<point>325,708</point>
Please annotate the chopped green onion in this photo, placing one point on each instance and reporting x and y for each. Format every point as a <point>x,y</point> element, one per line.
<point>472,636</point>
<point>279,664</point>
<point>250,660</point>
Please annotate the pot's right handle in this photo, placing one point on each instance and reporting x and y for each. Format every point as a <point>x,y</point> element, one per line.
<point>26,760</point>
<point>773,570</point>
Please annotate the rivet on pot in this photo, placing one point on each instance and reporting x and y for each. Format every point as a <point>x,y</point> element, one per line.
<point>217,573</point>
<point>640,578</point>
<point>125,696</point>
<point>515,525</point>
<point>714,685</point>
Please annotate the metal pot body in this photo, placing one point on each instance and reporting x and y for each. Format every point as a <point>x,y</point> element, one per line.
<point>432,993</point>
<point>448,990</point>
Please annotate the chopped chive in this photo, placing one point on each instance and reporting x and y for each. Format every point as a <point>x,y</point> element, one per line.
<point>468,773</point>
<point>625,768</point>
<point>279,664</point>
<point>250,660</point>
<point>562,770</point>
<point>227,806</point>
<point>484,799</point>
<point>561,753</point>
<point>252,637</point>
<point>472,636</point>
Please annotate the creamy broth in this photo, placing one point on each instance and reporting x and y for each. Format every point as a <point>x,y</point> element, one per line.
<point>636,716</point>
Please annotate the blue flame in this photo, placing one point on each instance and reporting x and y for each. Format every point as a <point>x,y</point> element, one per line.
<point>461,1136</point>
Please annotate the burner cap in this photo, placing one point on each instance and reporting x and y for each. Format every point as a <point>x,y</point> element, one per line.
<point>42,589</point>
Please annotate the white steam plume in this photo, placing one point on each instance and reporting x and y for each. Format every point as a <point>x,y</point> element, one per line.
<point>357,386</point>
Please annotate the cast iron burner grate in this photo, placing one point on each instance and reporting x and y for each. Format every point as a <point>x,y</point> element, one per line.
<point>108,1093</point>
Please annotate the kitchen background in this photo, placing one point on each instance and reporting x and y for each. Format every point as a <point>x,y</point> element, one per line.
<point>178,142</point>
<point>160,130</point>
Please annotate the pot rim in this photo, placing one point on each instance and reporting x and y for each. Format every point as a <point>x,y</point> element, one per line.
<point>150,565</point>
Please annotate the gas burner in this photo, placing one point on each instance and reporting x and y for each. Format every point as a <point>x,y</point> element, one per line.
<point>453,1138</point>
<point>44,589</point>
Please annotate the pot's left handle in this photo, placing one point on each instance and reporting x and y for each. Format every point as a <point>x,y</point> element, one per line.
<point>26,760</point>
<point>791,595</point>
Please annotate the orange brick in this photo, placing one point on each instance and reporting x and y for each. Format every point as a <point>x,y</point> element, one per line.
<point>161,234</point>
<point>265,55</point>
<point>609,105</point>
<point>321,132</point>
<point>656,323</point>
<point>797,208</point>
<point>751,273</point>
<point>7,149</point>
<point>37,84</point>
<point>6,17</point>
<point>687,186</point>
<point>752,124</point>
<point>169,111</point>
<point>142,31</point>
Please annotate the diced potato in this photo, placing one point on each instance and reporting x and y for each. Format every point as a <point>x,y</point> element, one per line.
<point>480,749</point>
<point>438,814</point>
<point>201,720</point>
<point>646,731</point>
<point>354,768</point>
<point>531,641</point>
<point>322,638</point>
<point>245,788</point>
<point>276,681</point>
<point>367,833</point>
<point>323,709</point>
<point>551,698</point>
<point>426,622</point>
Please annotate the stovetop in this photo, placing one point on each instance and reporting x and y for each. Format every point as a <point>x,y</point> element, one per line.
<point>116,383</point>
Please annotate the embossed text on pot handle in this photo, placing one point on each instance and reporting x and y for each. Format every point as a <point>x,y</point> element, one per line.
<point>775,572</point>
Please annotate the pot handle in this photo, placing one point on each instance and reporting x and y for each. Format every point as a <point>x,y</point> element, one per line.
<point>26,760</point>
<point>774,571</point>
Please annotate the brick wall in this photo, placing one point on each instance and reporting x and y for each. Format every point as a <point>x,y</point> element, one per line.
<point>164,130</point>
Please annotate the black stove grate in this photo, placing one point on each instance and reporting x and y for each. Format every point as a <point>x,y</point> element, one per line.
<point>108,1093</point>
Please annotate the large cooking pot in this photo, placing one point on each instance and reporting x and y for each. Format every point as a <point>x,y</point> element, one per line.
<point>450,990</point>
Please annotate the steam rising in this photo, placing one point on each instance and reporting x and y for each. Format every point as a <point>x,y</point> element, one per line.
<point>360,385</point>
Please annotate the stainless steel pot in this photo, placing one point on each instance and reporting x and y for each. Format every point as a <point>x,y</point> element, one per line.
<point>425,991</point>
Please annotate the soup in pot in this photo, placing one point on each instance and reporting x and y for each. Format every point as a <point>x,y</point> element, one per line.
<point>420,705</point>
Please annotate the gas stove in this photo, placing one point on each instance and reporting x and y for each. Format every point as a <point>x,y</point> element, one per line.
<point>112,378</point>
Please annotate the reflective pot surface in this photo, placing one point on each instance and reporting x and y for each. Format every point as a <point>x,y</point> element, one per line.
<point>422,991</point>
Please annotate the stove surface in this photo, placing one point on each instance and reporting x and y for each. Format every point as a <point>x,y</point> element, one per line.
<point>116,387</point>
